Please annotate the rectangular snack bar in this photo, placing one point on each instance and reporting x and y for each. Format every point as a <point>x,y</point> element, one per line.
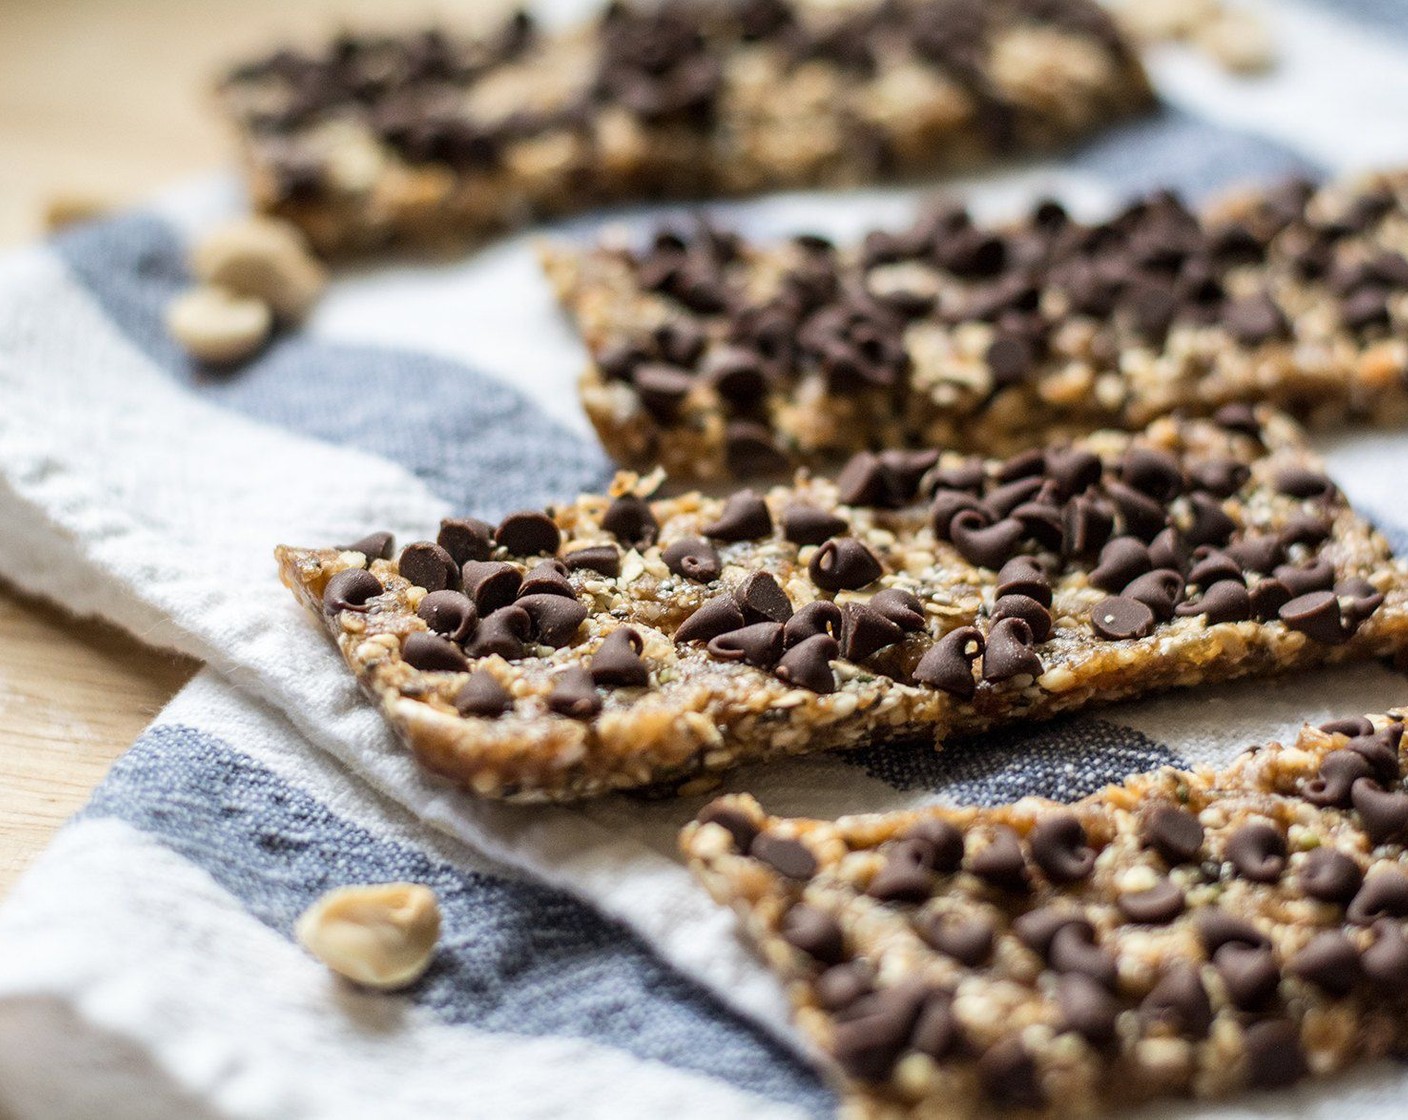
<point>1188,933</point>
<point>434,138</point>
<point>620,642</point>
<point>715,356</point>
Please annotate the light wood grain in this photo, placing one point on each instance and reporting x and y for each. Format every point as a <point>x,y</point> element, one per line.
<point>108,99</point>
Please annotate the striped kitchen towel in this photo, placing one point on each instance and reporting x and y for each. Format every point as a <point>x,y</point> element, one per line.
<point>146,962</point>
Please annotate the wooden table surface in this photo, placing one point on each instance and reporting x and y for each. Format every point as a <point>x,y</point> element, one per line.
<point>107,99</point>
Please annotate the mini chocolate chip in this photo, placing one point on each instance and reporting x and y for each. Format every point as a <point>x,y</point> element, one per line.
<point>1037,617</point>
<point>1240,418</point>
<point>804,524</point>
<point>720,615</point>
<point>820,617</point>
<point>937,1032</point>
<point>1009,652</point>
<point>1222,602</point>
<point>449,613</point>
<point>948,664</point>
<point>1302,579</point>
<point>786,856</point>
<point>762,599</point>
<point>1353,726</point>
<point>431,653</point>
<point>617,662</point>
<point>759,644</point>
<point>427,565</point>
<point>1169,551</point>
<point>942,842</point>
<point>548,577</point>
<point>1255,319</point>
<point>1275,1058</point>
<point>374,546</point>
<point>662,389</point>
<point>1380,751</point>
<point>1329,961</point>
<point>482,696</point>
<point>466,538</point>
<point>901,607</point>
<point>1216,928</point>
<point>1258,852</point>
<point>1118,618</point>
<point>1073,950</point>
<point>1086,525</point>
<point>808,664</point>
<point>1001,862</point>
<point>1385,962</point>
<point>982,544</point>
<point>1010,358</point>
<point>1074,469</point>
<point>1087,1008</point>
<point>693,559</point>
<point>555,618</point>
<point>1329,876</point>
<point>841,985</point>
<point>967,476</point>
<point>866,631</point>
<point>1142,517</point>
<point>1179,1001</point>
<point>528,533</point>
<point>1037,929</point>
<point>1213,567</point>
<point>1267,598</point>
<point>1059,848</point>
<point>1219,477</point>
<point>875,1031</point>
<point>1152,472</point>
<point>1023,575</point>
<point>1305,529</point>
<point>745,517</point>
<point>631,521</point>
<point>968,940</point>
<point>1122,561</point>
<point>1249,973</point>
<point>350,589</point>
<point>1211,523</point>
<point>1158,905</point>
<point>1007,497</point>
<point>1383,814</point>
<point>1173,832</point>
<point>738,376</point>
<point>1043,523</point>
<point>946,507</point>
<point>861,481</point>
<point>1030,463</point>
<point>844,564</point>
<point>503,632</point>
<point>905,875</point>
<point>1383,895</point>
<point>815,933</point>
<point>1332,787</point>
<point>1158,590</point>
<point>574,695</point>
<point>1009,1075</point>
<point>1302,482</point>
<point>1317,616</point>
<point>491,584</point>
<point>737,823</point>
<point>604,559</point>
<point>1367,307</point>
<point>749,449</point>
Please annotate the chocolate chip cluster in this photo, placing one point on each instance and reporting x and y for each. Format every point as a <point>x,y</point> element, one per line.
<point>1250,901</point>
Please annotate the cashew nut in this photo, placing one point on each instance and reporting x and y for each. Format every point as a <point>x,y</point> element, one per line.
<point>265,258</point>
<point>217,326</point>
<point>381,935</point>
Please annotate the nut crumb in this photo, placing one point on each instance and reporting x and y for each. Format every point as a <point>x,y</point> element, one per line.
<point>218,327</point>
<point>380,935</point>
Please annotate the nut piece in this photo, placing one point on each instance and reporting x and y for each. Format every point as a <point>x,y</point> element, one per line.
<point>217,326</point>
<point>264,258</point>
<point>381,935</point>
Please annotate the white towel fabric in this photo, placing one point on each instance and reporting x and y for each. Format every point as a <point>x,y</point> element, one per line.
<point>146,962</point>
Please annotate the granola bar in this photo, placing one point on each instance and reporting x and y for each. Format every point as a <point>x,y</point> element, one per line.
<point>432,137</point>
<point>620,642</point>
<point>716,356</point>
<point>1188,933</point>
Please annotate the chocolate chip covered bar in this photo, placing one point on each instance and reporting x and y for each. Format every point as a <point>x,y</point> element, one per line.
<point>715,356</point>
<point>1189,933</point>
<point>437,138</point>
<point>620,641</point>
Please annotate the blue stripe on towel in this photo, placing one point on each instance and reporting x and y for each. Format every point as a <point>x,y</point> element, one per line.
<point>516,957</point>
<point>1375,15</point>
<point>475,441</point>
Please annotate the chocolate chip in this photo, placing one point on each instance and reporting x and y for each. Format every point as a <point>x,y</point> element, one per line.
<point>866,631</point>
<point>1216,928</point>
<point>967,476</point>
<point>1118,618</point>
<point>482,696</point>
<point>1330,876</point>
<point>901,607</point>
<point>431,653</point>
<point>861,481</point>
<point>1240,418</point>
<point>738,376</point>
<point>1365,308</point>
<point>1037,929</point>
<point>374,546</point>
<point>1142,517</point>
<point>804,524</point>
<point>982,544</point>
<point>948,664</point>
<point>1010,359</point>
<point>1158,590</point>
<point>1073,950</point>
<point>1380,751</point>
<point>969,940</point>
<point>1254,320</point>
<point>1009,1075</point>
<point>786,856</point>
<point>738,824</point>
<point>1383,814</point>
<point>491,584</point>
<point>1219,477</point>
<point>1122,561</point>
<point>820,617</point>
<point>1305,529</point>
<point>720,615</point>
<point>1329,960</point>
<point>449,613</point>
<point>1353,726</point>
<point>617,662</point>
<point>503,632</point>
<point>808,664</point>
<point>427,565</point>
<point>466,538</point>
<point>749,449</point>
<point>631,521</point>
<point>1158,905</point>
<point>1037,617</point>
<point>1168,550</point>
<point>1060,849</point>
<point>1249,974</point>
<point>937,1032</point>
<point>1267,599</point>
<point>1174,833</point>
<point>527,533</point>
<point>844,564</point>
<point>1383,895</point>
<point>905,876</point>
<point>842,985</point>
<point>555,618</point>
<point>1385,962</point>
<point>1179,1001</point>
<point>1332,787</point>
<point>1257,852</point>
<point>1001,862</point>
<point>693,559</point>
<point>744,517</point>
<point>1275,1058</point>
<point>1302,482</point>
<point>1022,575</point>
<point>759,644</point>
<point>762,599</point>
<point>941,841</point>
<point>1211,524</point>
<point>1317,575</point>
<point>1214,567</point>
<point>350,589</point>
<point>946,507</point>
<point>1003,499</point>
<point>604,559</point>
<point>1317,616</point>
<point>1257,552</point>
<point>1222,602</point>
<point>875,1030</point>
<point>815,933</point>
<point>1074,469</point>
<point>574,695</point>
<point>1087,1008</point>
<point>1009,653</point>
<point>1152,472</point>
